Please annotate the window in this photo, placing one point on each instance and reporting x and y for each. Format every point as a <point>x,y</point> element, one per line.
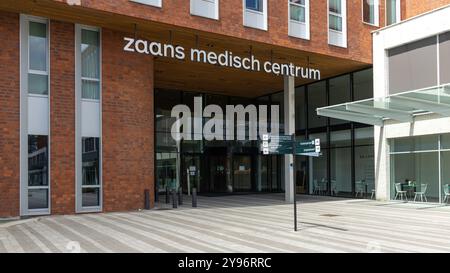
<point>413,66</point>
<point>297,10</point>
<point>38,186</point>
<point>393,12</point>
<point>156,3</point>
<point>256,5</point>
<point>299,18</point>
<point>35,112</point>
<point>337,23</point>
<point>255,13</point>
<point>37,55</point>
<point>90,64</point>
<point>205,8</point>
<point>335,15</point>
<point>90,173</point>
<point>370,9</point>
<point>88,116</point>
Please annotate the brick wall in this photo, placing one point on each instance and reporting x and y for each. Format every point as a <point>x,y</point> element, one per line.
<point>412,8</point>
<point>62,117</point>
<point>9,115</point>
<point>177,13</point>
<point>127,125</point>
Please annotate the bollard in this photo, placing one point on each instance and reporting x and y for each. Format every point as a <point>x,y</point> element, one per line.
<point>167,196</point>
<point>147,199</point>
<point>180,196</point>
<point>194,197</point>
<point>174,199</point>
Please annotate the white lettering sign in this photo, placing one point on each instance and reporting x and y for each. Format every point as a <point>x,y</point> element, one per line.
<point>224,59</point>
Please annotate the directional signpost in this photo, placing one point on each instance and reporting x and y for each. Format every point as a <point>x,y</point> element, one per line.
<point>287,145</point>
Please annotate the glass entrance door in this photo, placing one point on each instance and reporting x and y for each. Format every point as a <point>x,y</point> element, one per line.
<point>242,173</point>
<point>191,173</point>
<point>218,175</point>
<point>166,171</point>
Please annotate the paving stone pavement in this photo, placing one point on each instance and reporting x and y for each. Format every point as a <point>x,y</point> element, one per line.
<point>241,223</point>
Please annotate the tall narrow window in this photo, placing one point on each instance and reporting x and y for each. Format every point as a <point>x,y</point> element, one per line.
<point>393,14</point>
<point>34,112</point>
<point>90,67</point>
<point>299,18</point>
<point>88,117</point>
<point>90,172</point>
<point>370,10</point>
<point>38,189</point>
<point>37,53</point>
<point>337,22</point>
<point>256,5</point>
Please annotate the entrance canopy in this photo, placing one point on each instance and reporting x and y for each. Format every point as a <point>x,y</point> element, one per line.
<point>400,107</point>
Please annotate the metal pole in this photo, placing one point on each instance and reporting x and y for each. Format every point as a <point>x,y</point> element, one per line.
<point>147,199</point>
<point>174,199</point>
<point>295,182</point>
<point>194,197</point>
<point>167,195</point>
<point>180,196</point>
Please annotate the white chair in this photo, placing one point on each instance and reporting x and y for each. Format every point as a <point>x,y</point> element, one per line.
<point>333,187</point>
<point>400,193</point>
<point>422,193</point>
<point>374,194</point>
<point>316,189</point>
<point>360,188</point>
<point>446,191</point>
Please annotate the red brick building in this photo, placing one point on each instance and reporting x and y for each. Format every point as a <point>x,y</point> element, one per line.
<point>78,112</point>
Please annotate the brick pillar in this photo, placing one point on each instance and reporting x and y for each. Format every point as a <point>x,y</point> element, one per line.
<point>127,125</point>
<point>62,117</point>
<point>9,115</point>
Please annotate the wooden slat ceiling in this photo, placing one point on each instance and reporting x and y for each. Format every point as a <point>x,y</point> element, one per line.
<point>186,75</point>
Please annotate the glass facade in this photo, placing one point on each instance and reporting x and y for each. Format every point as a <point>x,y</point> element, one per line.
<point>238,166</point>
<point>346,165</point>
<point>418,168</point>
<point>213,167</point>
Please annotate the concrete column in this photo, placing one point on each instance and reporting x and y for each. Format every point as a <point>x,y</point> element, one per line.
<point>382,165</point>
<point>289,129</point>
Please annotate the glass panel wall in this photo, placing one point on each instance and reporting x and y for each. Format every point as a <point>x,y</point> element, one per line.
<point>341,160</point>
<point>317,97</point>
<point>167,149</point>
<point>364,161</point>
<point>415,165</point>
<point>300,108</point>
<point>347,148</point>
<point>339,93</point>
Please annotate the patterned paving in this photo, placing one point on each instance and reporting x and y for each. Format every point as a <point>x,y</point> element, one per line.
<point>247,223</point>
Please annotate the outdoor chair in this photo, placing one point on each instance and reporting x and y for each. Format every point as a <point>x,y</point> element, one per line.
<point>446,192</point>
<point>317,190</point>
<point>400,193</point>
<point>360,188</point>
<point>422,193</point>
